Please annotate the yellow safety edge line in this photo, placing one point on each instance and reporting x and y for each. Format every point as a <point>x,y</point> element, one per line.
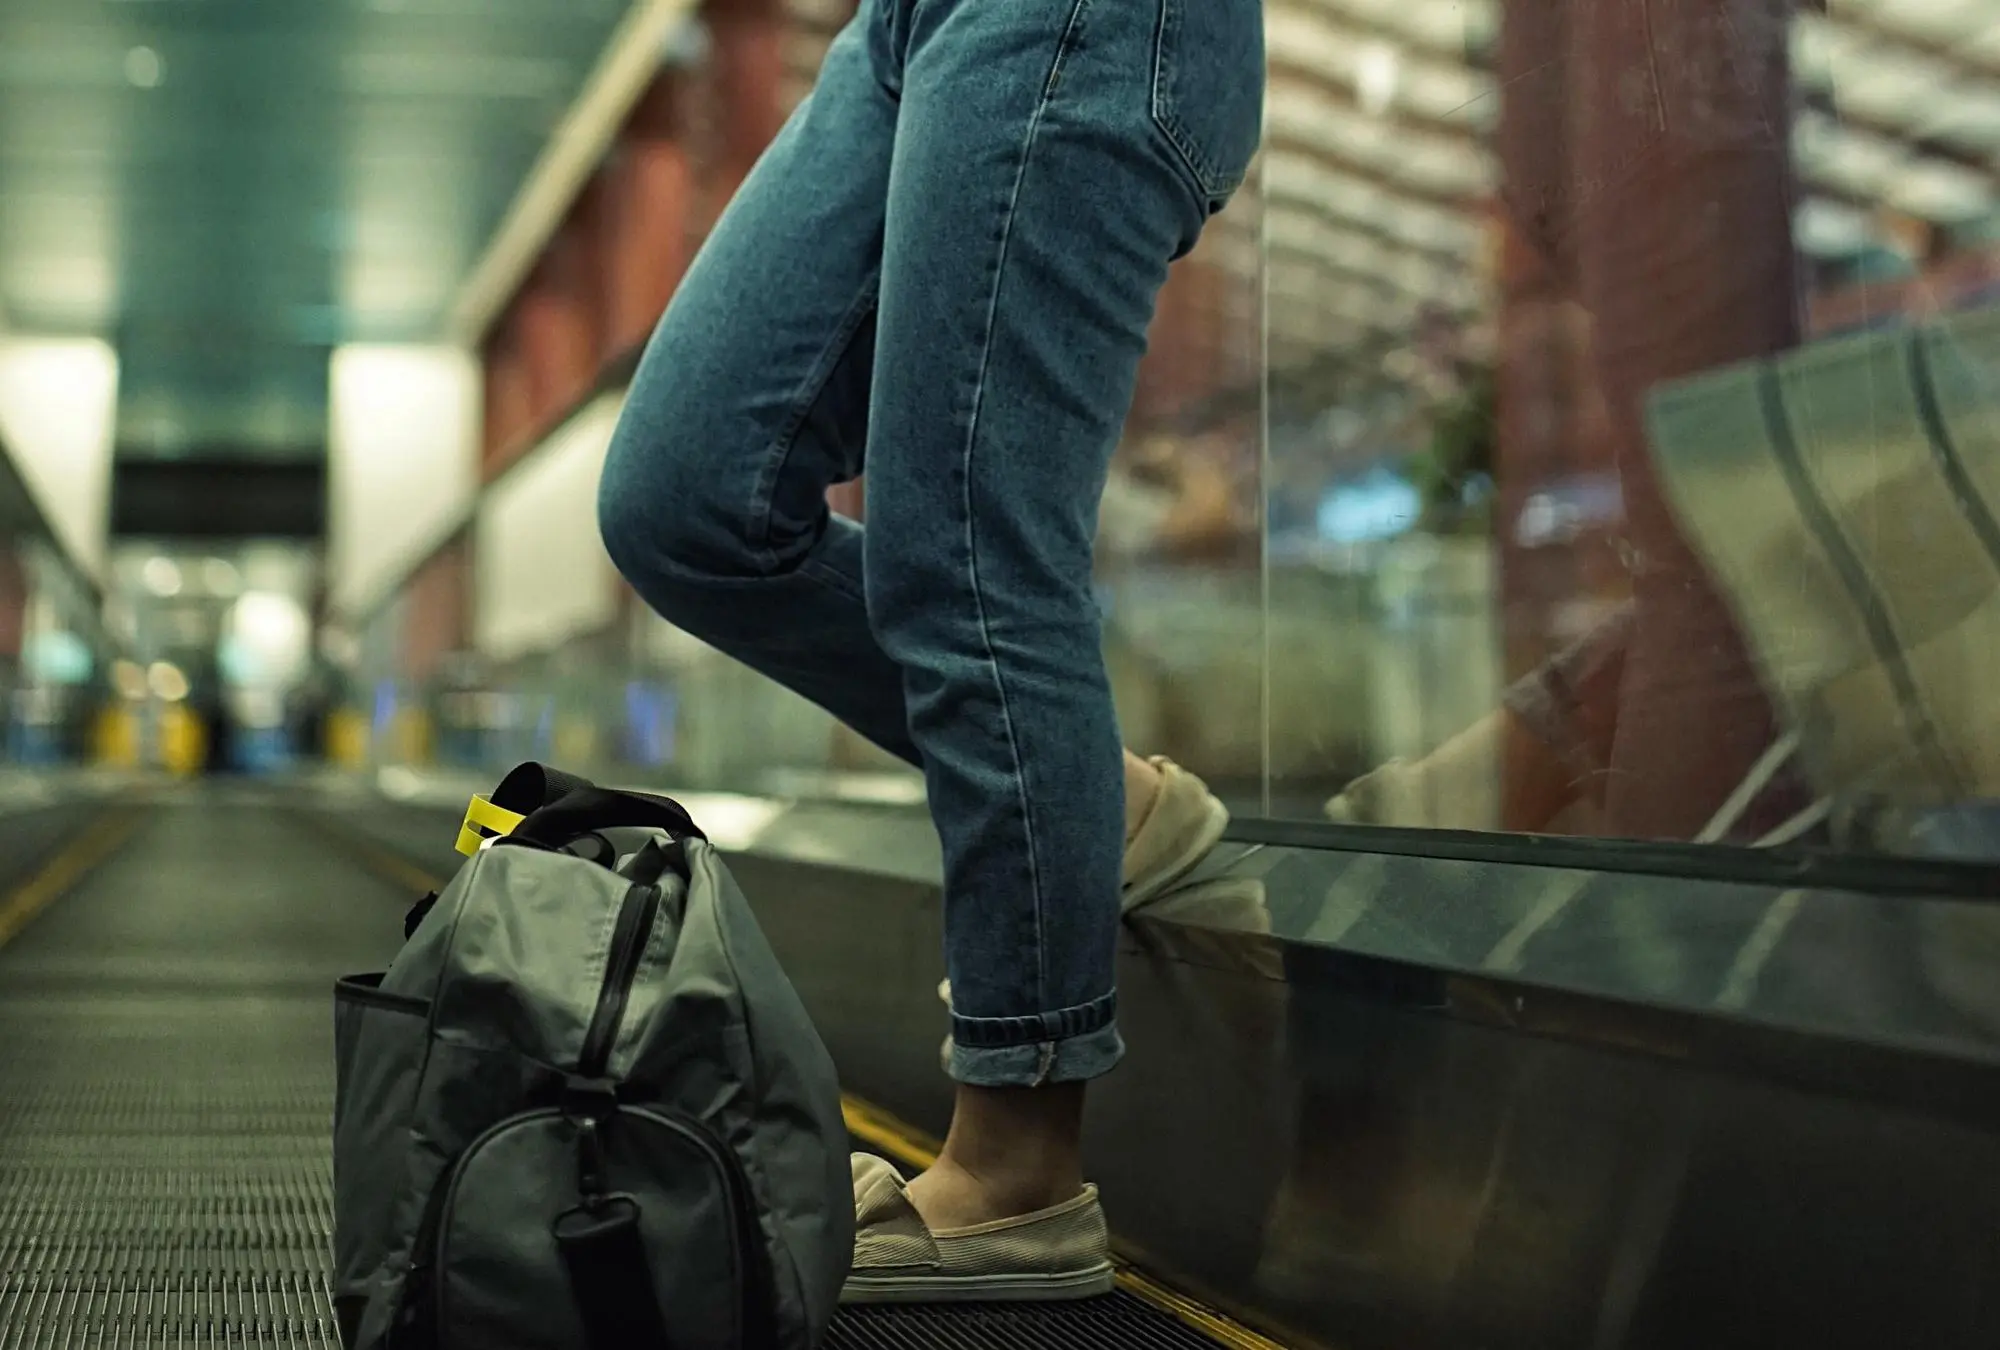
<point>394,868</point>
<point>904,1143</point>
<point>381,861</point>
<point>74,861</point>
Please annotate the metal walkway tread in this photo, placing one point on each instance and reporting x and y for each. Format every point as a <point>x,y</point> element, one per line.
<point>166,1101</point>
<point>1120,1320</point>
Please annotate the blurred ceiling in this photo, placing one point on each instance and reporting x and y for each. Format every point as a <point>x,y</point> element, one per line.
<point>227,188</point>
<point>1378,163</point>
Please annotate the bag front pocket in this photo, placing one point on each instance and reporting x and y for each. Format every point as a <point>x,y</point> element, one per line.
<point>378,1042</point>
<point>499,1278</point>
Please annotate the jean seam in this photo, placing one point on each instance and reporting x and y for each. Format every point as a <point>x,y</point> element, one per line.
<point>778,452</point>
<point>965,470</point>
<point>833,580</point>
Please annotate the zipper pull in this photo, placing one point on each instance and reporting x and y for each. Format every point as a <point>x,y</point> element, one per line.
<point>589,1102</point>
<point>589,1163</point>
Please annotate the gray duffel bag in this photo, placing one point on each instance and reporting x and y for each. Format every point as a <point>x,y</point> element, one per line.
<point>584,1109</point>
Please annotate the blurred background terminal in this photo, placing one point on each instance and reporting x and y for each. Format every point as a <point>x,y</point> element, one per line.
<point>1578,441</point>
<point>317,318</point>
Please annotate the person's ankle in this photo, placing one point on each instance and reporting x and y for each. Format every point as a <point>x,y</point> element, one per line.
<point>1011,1151</point>
<point>950,1196</point>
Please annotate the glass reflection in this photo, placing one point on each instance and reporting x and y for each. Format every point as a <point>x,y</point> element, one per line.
<point>1668,531</point>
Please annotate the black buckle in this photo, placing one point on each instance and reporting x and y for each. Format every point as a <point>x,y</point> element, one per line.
<point>598,1218</point>
<point>589,1098</point>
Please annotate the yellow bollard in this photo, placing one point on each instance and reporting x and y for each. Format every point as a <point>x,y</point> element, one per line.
<point>115,739</point>
<point>410,736</point>
<point>183,742</point>
<point>573,739</point>
<point>347,739</point>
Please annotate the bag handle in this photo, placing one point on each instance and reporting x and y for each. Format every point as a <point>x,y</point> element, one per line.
<point>529,787</point>
<point>543,806</point>
<point>595,808</point>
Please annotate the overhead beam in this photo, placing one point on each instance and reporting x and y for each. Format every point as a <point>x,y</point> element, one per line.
<point>630,61</point>
<point>1946,53</point>
<point>1940,148</point>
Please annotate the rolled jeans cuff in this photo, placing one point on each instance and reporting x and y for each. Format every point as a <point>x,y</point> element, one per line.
<point>1070,1045</point>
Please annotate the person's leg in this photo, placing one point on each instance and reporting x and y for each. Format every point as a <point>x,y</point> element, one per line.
<point>756,395</point>
<point>1052,158</point>
<point>752,400</point>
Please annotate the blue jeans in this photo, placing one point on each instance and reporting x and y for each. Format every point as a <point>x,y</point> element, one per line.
<point>943,269</point>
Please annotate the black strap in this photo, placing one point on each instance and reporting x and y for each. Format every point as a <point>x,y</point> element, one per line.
<point>649,864</point>
<point>418,913</point>
<point>529,787</point>
<point>560,806</point>
<point>605,1255</point>
<point>592,808</point>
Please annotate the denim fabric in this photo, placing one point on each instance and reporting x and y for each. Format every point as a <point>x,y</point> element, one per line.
<point>944,269</point>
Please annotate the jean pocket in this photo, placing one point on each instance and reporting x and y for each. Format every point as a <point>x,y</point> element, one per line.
<point>1208,88</point>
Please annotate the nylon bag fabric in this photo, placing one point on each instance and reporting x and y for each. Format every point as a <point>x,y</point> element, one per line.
<point>584,1107</point>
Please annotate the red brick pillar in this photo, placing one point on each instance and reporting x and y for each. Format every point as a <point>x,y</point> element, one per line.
<point>13,599</point>
<point>509,407</point>
<point>561,326</point>
<point>648,196</point>
<point>747,58</point>
<point>1685,258</point>
<point>1183,364</point>
<point>1535,405</point>
<point>1537,437</point>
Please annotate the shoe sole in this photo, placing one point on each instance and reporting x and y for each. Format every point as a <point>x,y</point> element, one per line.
<point>1081,1284</point>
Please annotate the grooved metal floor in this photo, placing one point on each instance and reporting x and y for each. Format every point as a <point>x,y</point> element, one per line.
<point>165,1087</point>
<point>1121,1321</point>
<point>166,1102</point>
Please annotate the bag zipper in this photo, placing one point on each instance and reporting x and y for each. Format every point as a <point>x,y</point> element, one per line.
<point>628,946</point>
<point>421,1312</point>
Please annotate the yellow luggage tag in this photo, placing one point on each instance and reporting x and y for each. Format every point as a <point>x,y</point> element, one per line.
<point>484,821</point>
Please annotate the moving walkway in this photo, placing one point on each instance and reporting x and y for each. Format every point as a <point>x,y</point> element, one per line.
<point>1383,1090</point>
<point>166,1092</point>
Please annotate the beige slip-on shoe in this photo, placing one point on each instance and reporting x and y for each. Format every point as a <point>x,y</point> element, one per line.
<point>1063,1252</point>
<point>1182,826</point>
